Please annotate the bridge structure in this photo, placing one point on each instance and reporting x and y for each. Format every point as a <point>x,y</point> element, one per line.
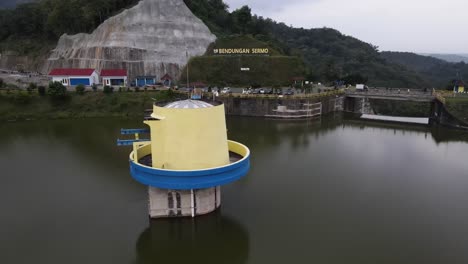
<point>357,101</point>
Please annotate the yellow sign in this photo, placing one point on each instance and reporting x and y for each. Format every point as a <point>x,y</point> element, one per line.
<point>242,51</point>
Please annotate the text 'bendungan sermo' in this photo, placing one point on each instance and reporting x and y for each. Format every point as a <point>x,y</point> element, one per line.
<point>242,51</point>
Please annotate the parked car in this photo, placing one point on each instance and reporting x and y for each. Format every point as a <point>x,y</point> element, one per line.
<point>226,90</point>
<point>256,91</point>
<point>289,92</point>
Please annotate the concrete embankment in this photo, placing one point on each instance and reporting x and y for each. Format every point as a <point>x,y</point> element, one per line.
<point>261,105</point>
<point>448,115</point>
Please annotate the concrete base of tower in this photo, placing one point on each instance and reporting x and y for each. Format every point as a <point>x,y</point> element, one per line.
<point>176,203</point>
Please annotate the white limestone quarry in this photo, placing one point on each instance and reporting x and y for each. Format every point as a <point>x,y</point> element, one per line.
<point>151,38</point>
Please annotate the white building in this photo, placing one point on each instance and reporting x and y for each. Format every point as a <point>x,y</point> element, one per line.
<point>73,77</point>
<point>114,77</point>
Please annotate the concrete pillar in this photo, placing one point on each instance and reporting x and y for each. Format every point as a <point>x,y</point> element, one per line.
<point>177,203</point>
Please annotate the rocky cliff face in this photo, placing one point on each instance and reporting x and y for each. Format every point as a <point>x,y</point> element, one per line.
<point>151,38</point>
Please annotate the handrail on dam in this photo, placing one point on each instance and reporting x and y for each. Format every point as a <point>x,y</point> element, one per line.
<point>393,93</point>
<point>338,92</point>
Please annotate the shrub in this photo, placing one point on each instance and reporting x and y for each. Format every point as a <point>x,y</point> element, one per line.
<point>80,89</point>
<point>41,90</point>
<point>108,89</point>
<point>31,87</point>
<point>94,87</point>
<point>22,98</point>
<point>256,85</point>
<point>12,86</point>
<point>57,90</point>
<point>137,89</point>
<point>2,83</point>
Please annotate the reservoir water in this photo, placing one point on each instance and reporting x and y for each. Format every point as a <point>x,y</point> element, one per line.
<point>334,190</point>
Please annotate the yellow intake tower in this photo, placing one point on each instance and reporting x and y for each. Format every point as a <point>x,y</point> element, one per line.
<point>188,158</point>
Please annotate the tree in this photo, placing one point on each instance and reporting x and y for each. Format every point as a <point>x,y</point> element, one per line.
<point>243,17</point>
<point>31,87</point>
<point>330,71</point>
<point>353,79</point>
<point>80,89</point>
<point>108,89</point>
<point>57,90</point>
<point>41,90</point>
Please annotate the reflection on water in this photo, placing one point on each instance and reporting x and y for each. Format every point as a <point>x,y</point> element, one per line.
<point>333,190</point>
<point>210,239</point>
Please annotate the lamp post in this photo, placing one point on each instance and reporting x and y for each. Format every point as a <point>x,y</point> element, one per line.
<point>186,54</point>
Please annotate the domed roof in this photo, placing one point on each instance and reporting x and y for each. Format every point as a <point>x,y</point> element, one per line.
<point>188,104</point>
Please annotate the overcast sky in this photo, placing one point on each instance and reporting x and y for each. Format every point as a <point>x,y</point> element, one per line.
<point>422,26</point>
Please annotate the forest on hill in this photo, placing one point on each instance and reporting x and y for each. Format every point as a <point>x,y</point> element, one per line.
<point>31,27</point>
<point>327,54</point>
<point>440,73</point>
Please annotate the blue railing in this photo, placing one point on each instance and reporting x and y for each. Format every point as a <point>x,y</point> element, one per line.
<point>134,131</point>
<point>129,142</point>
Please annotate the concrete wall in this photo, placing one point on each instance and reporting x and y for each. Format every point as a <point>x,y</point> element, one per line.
<point>168,203</point>
<point>154,37</point>
<point>440,115</point>
<point>357,105</point>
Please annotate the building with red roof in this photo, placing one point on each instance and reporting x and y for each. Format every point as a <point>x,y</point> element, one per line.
<point>114,77</point>
<point>166,80</point>
<point>73,77</point>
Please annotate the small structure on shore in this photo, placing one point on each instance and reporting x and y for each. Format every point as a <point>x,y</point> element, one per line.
<point>141,81</point>
<point>187,158</point>
<point>73,77</point>
<point>166,80</point>
<point>114,77</point>
<point>459,87</point>
<point>308,111</point>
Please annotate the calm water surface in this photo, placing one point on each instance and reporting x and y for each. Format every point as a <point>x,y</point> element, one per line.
<point>336,190</point>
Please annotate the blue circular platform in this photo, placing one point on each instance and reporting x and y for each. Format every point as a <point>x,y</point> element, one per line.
<point>196,179</point>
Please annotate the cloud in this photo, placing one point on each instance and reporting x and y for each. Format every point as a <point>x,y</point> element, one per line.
<point>265,6</point>
<point>403,25</point>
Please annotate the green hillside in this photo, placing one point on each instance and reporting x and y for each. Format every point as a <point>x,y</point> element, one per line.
<point>243,41</point>
<point>440,73</point>
<point>264,70</point>
<point>272,68</point>
<point>326,54</point>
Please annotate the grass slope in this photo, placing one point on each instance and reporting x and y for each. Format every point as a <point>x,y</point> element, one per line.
<point>21,105</point>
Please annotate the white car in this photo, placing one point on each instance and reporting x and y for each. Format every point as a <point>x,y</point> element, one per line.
<point>226,90</point>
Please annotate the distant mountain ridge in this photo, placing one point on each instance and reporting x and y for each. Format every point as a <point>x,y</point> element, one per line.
<point>448,57</point>
<point>438,72</point>
<point>12,3</point>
